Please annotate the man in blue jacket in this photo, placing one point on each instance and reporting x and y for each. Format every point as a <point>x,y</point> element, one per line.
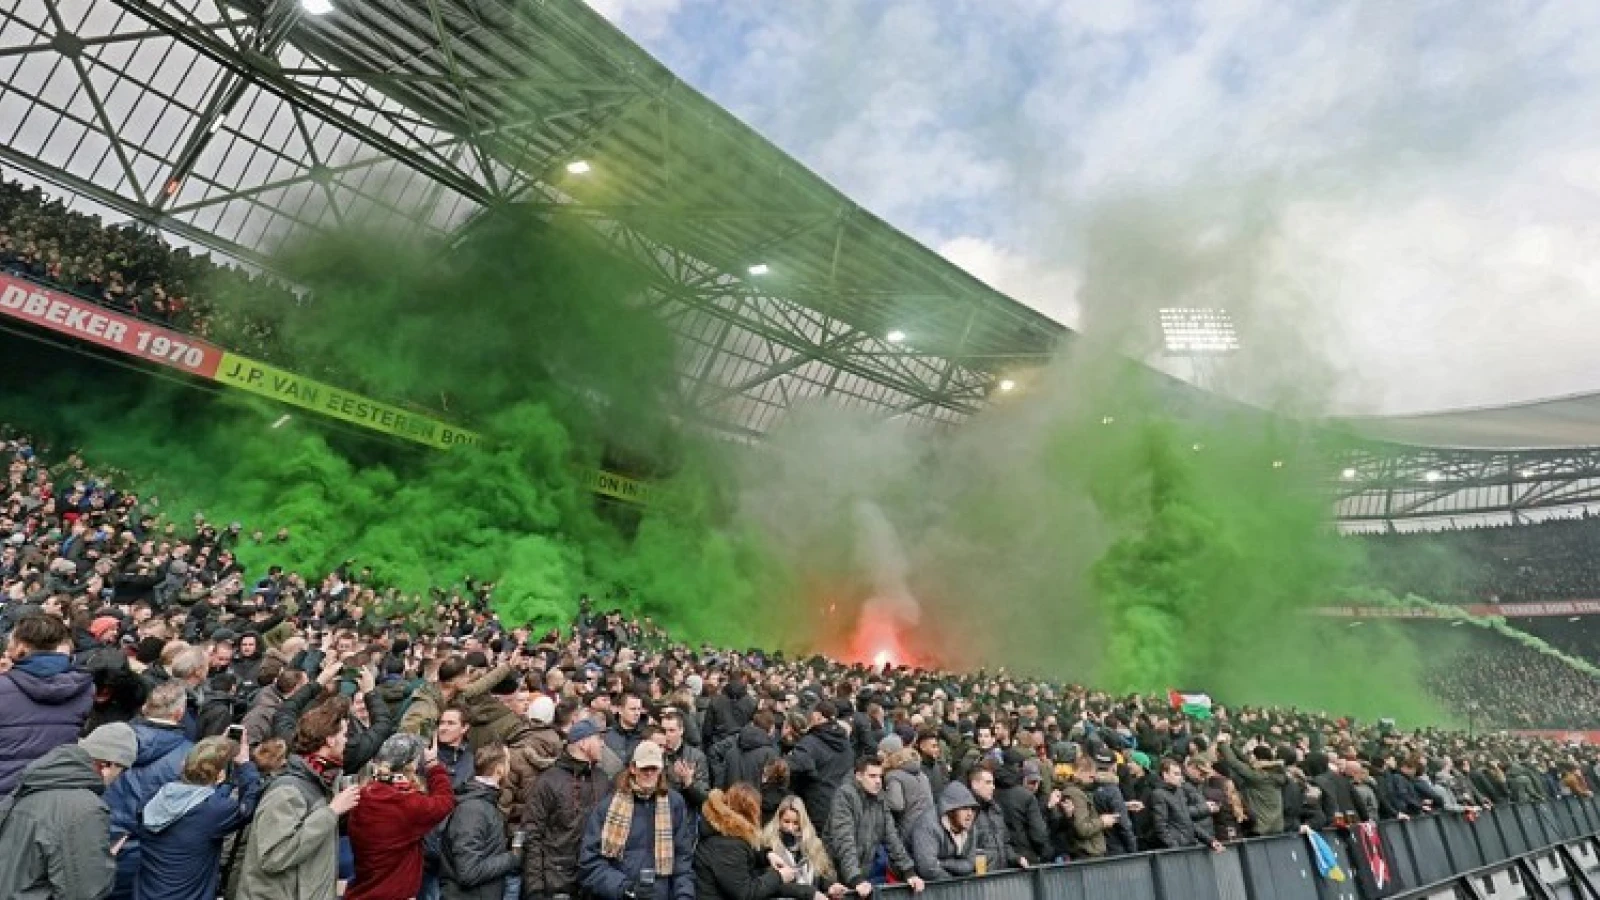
<point>43,699</point>
<point>162,748</point>
<point>639,842</point>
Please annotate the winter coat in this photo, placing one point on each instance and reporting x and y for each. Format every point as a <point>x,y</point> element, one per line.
<point>490,720</point>
<point>43,702</point>
<point>858,824</point>
<point>728,713</point>
<point>609,879</point>
<point>623,741</point>
<point>1030,837</point>
<point>162,749</point>
<point>458,761</point>
<point>533,749</point>
<point>729,865</point>
<point>1083,834</point>
<point>819,763</point>
<point>1367,800</point>
<point>696,789</point>
<point>1401,793</point>
<point>181,833</point>
<point>742,757</point>
<point>473,860</point>
<point>907,793</point>
<point>422,714</point>
<point>292,853</point>
<point>554,812</point>
<point>258,720</point>
<point>1176,810</point>
<point>386,832</point>
<point>55,832</point>
<point>1263,789</point>
<point>993,837</point>
<point>935,850</point>
<point>1524,784</point>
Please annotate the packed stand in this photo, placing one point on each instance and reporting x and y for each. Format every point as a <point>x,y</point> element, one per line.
<point>174,727</point>
<point>1555,559</point>
<point>130,269</point>
<point>1491,682</point>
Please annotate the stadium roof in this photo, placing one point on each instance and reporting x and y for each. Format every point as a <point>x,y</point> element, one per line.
<point>236,125</point>
<point>1555,424</point>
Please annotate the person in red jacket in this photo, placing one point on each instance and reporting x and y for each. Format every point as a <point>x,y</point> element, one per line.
<point>395,814</point>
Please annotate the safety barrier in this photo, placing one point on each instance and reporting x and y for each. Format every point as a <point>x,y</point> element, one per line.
<point>1543,842</point>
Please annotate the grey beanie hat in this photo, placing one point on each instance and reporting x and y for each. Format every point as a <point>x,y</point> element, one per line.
<point>890,745</point>
<point>400,751</point>
<point>114,743</point>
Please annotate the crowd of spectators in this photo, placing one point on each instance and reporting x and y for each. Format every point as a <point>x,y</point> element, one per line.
<point>172,726</point>
<point>131,269</point>
<point>1554,559</point>
<point>1490,681</point>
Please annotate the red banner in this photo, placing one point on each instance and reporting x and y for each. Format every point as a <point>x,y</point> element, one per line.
<point>1566,737</point>
<point>1509,610</point>
<point>78,318</point>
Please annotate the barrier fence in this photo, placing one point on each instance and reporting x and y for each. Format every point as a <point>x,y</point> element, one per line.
<point>1420,853</point>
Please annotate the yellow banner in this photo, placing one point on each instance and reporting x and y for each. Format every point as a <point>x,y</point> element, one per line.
<point>620,487</point>
<point>308,393</point>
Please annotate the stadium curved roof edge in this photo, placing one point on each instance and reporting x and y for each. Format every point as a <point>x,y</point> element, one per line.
<point>1557,423</point>
<point>239,124</point>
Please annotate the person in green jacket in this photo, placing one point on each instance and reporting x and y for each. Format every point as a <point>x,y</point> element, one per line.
<point>1262,777</point>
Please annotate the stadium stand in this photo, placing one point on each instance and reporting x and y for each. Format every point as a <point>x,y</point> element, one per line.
<point>1555,559</point>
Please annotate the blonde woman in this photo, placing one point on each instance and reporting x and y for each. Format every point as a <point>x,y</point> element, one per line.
<point>793,841</point>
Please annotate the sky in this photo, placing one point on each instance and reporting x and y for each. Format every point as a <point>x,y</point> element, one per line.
<point>1399,201</point>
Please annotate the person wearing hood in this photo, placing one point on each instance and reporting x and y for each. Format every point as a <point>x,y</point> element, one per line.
<point>55,835</point>
<point>473,860</point>
<point>860,827</point>
<point>742,757</point>
<point>182,828</point>
<point>944,846</point>
<point>906,790</point>
<point>555,810</point>
<point>43,699</point>
<point>729,863</point>
<point>729,711</point>
<point>821,761</point>
<point>162,749</point>
<point>395,814</point>
<point>246,665</point>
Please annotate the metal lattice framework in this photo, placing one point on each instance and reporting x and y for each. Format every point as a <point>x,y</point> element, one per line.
<point>1392,486</point>
<point>236,125</point>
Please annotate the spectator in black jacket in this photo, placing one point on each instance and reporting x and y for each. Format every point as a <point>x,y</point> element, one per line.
<point>474,861</point>
<point>821,761</point>
<point>1177,806</point>
<point>1030,836</point>
<point>729,711</point>
<point>742,757</point>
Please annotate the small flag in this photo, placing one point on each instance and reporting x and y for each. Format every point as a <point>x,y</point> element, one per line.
<point>1196,703</point>
<point>1327,863</point>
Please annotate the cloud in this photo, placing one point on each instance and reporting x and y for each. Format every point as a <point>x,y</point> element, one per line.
<point>1417,182</point>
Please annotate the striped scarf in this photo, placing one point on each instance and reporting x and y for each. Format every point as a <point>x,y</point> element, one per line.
<point>619,820</point>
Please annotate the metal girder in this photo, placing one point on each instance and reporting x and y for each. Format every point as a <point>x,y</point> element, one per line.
<point>1386,483</point>
<point>261,72</point>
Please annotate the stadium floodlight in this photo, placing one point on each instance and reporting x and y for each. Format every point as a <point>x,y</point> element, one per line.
<point>1348,474</point>
<point>1007,384</point>
<point>1193,331</point>
<point>1277,464</point>
<point>317,7</point>
<point>895,336</point>
<point>1107,420</point>
<point>578,167</point>
<point>759,269</point>
<point>1527,473</point>
<point>1432,475</point>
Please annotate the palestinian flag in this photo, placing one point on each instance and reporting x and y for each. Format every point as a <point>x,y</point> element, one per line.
<point>1191,703</point>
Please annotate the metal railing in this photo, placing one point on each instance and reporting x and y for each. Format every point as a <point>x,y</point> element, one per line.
<point>1427,857</point>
